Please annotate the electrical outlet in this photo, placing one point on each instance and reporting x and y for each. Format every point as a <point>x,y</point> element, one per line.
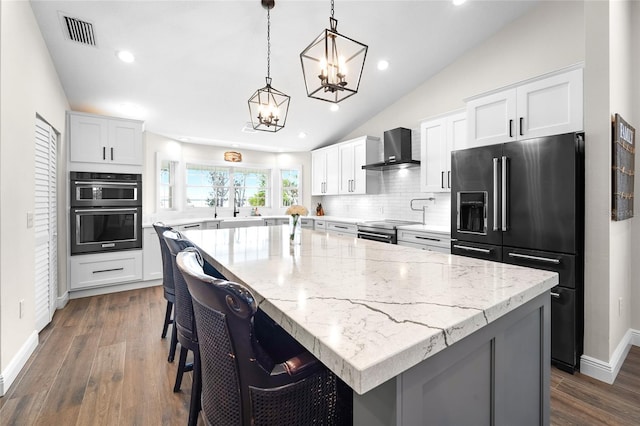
<point>21,310</point>
<point>29,219</point>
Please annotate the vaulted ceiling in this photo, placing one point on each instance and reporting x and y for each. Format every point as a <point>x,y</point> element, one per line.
<point>198,62</point>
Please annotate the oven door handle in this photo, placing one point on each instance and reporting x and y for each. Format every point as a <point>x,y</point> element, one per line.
<point>371,234</point>
<point>106,183</point>
<point>101,210</point>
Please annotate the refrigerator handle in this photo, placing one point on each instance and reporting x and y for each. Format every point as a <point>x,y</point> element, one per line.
<point>495,194</point>
<point>504,193</point>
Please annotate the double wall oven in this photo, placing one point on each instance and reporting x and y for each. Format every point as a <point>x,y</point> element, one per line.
<point>106,212</point>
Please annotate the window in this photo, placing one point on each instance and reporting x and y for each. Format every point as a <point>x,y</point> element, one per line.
<point>290,183</point>
<point>166,186</point>
<point>251,187</point>
<point>207,186</point>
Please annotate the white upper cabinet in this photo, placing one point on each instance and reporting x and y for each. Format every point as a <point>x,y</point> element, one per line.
<point>337,169</point>
<point>438,137</point>
<point>353,155</point>
<point>98,139</point>
<point>325,171</point>
<point>542,107</point>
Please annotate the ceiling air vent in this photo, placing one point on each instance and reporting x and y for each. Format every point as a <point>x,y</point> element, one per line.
<point>79,31</point>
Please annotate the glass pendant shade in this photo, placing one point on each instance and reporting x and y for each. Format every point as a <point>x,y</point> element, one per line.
<point>332,65</point>
<point>268,108</point>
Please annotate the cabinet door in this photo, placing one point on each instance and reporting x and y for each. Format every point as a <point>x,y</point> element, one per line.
<point>491,119</point>
<point>318,171</point>
<point>151,255</point>
<point>456,139</point>
<point>346,169</point>
<point>125,138</point>
<point>333,171</point>
<point>433,147</point>
<point>551,106</point>
<point>88,139</point>
<point>359,184</point>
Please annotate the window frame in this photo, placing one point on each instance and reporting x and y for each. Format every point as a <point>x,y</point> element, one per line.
<point>281,188</point>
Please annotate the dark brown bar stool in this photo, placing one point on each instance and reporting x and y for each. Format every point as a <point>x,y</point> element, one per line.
<point>244,384</point>
<point>168,287</point>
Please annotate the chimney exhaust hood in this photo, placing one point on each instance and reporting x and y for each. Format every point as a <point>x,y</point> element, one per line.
<point>397,151</point>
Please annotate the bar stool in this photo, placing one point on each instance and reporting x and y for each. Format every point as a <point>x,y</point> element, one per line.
<point>168,287</point>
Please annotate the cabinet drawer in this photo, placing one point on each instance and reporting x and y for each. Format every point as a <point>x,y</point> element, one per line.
<point>189,227</point>
<point>307,223</point>
<point>102,269</point>
<point>342,228</point>
<point>320,225</point>
<point>427,247</point>
<point>425,238</point>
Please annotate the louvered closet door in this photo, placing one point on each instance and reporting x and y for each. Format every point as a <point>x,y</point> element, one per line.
<point>45,224</point>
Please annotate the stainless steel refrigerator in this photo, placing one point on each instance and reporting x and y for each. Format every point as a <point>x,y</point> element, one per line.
<point>523,203</point>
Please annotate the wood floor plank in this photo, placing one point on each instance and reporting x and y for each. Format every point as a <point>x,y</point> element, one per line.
<point>103,397</point>
<point>22,410</point>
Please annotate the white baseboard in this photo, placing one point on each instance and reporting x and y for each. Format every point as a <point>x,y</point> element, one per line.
<point>608,371</point>
<point>62,301</point>
<point>17,363</point>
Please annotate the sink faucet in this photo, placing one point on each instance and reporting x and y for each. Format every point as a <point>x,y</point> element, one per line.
<point>236,209</point>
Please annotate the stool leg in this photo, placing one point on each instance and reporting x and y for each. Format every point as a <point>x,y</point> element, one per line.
<point>174,343</point>
<point>181,364</point>
<point>167,319</point>
<point>196,390</point>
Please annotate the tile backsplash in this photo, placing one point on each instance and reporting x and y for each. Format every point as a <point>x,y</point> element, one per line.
<point>393,201</point>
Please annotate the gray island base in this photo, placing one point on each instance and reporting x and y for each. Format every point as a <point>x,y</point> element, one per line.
<point>423,338</point>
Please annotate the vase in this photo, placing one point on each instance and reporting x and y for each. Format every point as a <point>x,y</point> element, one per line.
<point>295,229</point>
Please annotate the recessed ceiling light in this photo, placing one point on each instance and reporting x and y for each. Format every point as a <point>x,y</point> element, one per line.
<point>302,135</point>
<point>458,2</point>
<point>126,56</point>
<point>334,107</point>
<point>383,65</point>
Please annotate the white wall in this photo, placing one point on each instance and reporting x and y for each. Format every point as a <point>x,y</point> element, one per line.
<point>635,89</point>
<point>621,98</point>
<point>182,151</point>
<point>29,86</point>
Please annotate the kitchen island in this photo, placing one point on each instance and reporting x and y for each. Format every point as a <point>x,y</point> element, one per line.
<point>421,337</point>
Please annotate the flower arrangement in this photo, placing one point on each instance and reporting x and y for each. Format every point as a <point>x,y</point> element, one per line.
<point>294,223</point>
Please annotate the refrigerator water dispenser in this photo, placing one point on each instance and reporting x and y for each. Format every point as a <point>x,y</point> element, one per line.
<point>472,212</point>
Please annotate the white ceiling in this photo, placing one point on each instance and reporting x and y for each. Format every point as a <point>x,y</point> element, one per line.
<point>198,62</point>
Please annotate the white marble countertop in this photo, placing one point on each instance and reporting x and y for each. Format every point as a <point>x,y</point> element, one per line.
<point>368,311</point>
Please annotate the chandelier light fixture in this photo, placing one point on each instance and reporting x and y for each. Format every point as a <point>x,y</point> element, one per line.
<point>268,107</point>
<point>332,64</point>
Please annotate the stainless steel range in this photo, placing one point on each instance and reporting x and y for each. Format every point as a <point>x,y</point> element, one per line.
<point>385,230</point>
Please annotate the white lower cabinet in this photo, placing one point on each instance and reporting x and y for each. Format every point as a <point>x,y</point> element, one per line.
<point>320,225</point>
<point>433,241</point>
<point>276,221</point>
<point>307,223</point>
<point>212,224</point>
<point>151,255</point>
<point>102,269</point>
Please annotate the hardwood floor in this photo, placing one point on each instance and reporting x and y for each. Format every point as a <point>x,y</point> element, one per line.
<point>101,362</point>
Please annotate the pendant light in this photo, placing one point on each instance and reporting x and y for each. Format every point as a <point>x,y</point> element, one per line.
<point>332,64</point>
<point>268,107</point>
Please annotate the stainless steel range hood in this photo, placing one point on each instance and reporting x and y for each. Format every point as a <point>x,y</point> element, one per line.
<point>397,151</point>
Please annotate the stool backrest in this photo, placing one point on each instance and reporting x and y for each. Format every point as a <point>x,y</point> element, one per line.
<point>167,267</point>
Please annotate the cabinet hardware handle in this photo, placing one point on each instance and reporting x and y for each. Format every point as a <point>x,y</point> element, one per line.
<point>442,179</point>
<point>538,258</point>
<point>510,128</point>
<point>449,179</point>
<point>108,270</point>
<point>521,120</point>
<point>495,194</point>
<point>104,152</point>
<point>111,153</point>
<point>191,226</point>
<point>504,193</point>
<point>427,238</point>
<point>371,234</point>
<point>341,227</point>
<point>481,250</point>
<point>555,295</point>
